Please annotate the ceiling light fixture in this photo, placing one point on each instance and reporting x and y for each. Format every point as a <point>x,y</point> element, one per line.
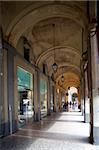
<point>54,66</point>
<point>62,77</point>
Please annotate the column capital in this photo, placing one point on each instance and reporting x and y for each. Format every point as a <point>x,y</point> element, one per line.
<point>93,27</point>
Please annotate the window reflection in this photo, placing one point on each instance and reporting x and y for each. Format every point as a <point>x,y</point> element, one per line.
<point>43,97</point>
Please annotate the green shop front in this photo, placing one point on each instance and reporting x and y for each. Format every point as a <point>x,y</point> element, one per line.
<point>43,96</point>
<point>25,97</point>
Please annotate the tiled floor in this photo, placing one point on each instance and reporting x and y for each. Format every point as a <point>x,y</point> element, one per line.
<point>62,131</point>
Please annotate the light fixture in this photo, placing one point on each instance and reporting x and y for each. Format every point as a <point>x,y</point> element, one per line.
<point>58,91</point>
<point>66,93</point>
<point>54,66</point>
<point>62,77</point>
<point>1,74</point>
<point>69,88</point>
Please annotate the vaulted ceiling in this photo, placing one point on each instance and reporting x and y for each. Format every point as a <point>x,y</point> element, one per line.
<point>35,23</point>
<point>70,80</point>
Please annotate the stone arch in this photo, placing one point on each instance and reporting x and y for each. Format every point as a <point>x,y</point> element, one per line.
<point>50,52</point>
<point>22,23</point>
<point>66,69</point>
<point>70,79</point>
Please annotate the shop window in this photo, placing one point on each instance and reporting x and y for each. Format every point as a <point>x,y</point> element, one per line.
<point>25,97</point>
<point>43,97</point>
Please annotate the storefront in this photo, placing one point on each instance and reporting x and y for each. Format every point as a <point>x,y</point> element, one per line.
<point>25,97</point>
<point>43,97</point>
<point>52,99</point>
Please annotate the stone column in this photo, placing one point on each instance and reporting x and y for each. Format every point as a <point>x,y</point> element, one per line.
<point>83,91</point>
<point>66,97</point>
<point>48,97</point>
<point>60,101</point>
<point>95,87</point>
<point>84,109</point>
<point>1,83</point>
<point>12,122</point>
<point>79,97</point>
<point>87,103</point>
<point>82,102</point>
<point>90,89</point>
<point>55,105</point>
<point>37,115</point>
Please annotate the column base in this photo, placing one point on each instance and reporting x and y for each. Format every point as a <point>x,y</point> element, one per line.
<point>87,118</point>
<point>6,128</point>
<point>96,135</point>
<point>37,117</point>
<point>48,114</point>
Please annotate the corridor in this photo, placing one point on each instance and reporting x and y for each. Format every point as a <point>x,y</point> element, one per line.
<point>60,131</point>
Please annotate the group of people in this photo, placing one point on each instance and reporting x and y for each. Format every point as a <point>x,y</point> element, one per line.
<point>65,105</point>
<point>69,105</point>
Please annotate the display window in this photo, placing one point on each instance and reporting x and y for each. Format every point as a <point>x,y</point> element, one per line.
<point>43,97</point>
<point>25,96</point>
<point>52,99</point>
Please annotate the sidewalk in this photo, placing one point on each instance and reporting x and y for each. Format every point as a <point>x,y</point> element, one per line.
<point>61,131</point>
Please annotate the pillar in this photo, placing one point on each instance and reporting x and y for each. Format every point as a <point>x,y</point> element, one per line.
<point>87,103</point>
<point>55,105</point>
<point>1,83</point>
<point>66,98</point>
<point>37,115</point>
<point>79,97</point>
<point>60,101</point>
<point>95,87</point>
<point>48,96</point>
<point>82,96</point>
<point>90,89</point>
<point>12,122</point>
<point>84,107</point>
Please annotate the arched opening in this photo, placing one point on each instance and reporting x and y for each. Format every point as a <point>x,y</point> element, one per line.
<point>73,103</point>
